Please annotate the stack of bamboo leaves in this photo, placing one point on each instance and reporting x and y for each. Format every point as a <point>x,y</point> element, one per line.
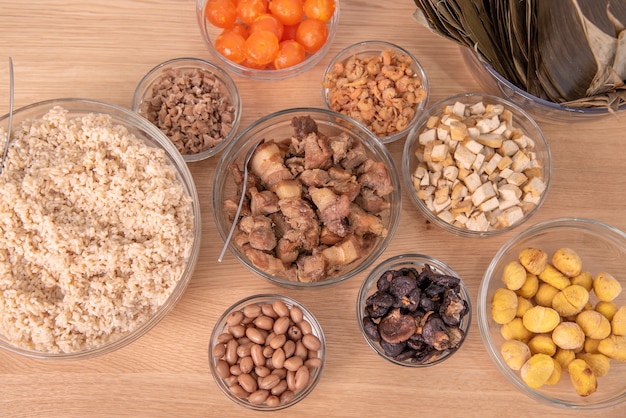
<point>571,52</point>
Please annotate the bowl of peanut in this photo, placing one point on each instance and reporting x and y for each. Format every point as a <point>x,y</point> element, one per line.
<point>476,165</point>
<point>380,85</point>
<point>552,313</point>
<point>267,352</point>
<point>195,103</point>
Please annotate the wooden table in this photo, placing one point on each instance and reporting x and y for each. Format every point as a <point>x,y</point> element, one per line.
<point>100,50</point>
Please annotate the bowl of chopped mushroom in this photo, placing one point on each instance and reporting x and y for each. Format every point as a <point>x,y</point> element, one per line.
<point>193,102</point>
<point>476,165</point>
<point>380,85</point>
<point>321,197</point>
<point>414,310</point>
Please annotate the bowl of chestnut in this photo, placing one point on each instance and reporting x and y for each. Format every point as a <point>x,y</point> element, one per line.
<point>414,310</point>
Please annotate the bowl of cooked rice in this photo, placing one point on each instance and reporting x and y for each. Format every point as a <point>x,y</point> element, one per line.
<point>99,229</point>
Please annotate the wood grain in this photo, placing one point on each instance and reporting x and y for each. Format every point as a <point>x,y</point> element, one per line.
<point>100,50</point>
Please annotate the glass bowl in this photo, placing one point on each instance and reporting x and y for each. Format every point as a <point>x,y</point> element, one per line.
<point>385,116</point>
<point>545,110</point>
<point>123,265</point>
<point>251,339</point>
<point>601,248</point>
<point>211,105</point>
<point>210,32</point>
<point>459,177</point>
<point>376,203</point>
<point>387,309</point>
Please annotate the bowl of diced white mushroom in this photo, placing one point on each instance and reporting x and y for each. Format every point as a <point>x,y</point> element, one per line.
<point>476,165</point>
<point>321,197</point>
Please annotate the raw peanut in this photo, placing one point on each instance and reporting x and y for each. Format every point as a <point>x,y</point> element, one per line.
<point>247,382</point>
<point>256,352</point>
<point>219,350</point>
<point>225,337</point>
<point>280,308</point>
<point>231,352</point>
<point>289,348</point>
<point>234,318</point>
<point>545,294</point>
<point>540,319</point>
<point>268,310</point>
<point>503,305</point>
<point>264,322</point>
<point>272,401</point>
<point>568,335</point>
<point>571,300</point>
<point>514,275</point>
<point>311,342</point>
<point>606,287</point>
<point>554,277</point>
<point>291,380</point>
<point>296,314</point>
<point>530,286</point>
<point>238,391</point>
<point>237,331</point>
<point>278,341</point>
<point>537,370</point>
<point>584,279</point>
<point>599,363</point>
<point>280,387</point>
<point>262,371</point>
<point>594,324</point>
<point>258,397</point>
<point>255,335</point>
<point>244,349</point>
<point>533,259</point>
<point>567,261</point>
<point>618,322</point>
<point>305,327</point>
<point>235,370</point>
<point>542,343</point>
<point>515,353</point>
<point>293,363</point>
<point>302,378</point>
<point>252,310</point>
<point>300,351</point>
<point>223,369</point>
<point>515,330</point>
<point>281,325</point>
<point>269,381</point>
<point>278,358</point>
<point>313,363</point>
<point>582,377</point>
<point>287,396</point>
<point>614,346</point>
<point>246,364</point>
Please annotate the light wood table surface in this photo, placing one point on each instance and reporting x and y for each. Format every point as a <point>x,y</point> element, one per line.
<point>100,50</point>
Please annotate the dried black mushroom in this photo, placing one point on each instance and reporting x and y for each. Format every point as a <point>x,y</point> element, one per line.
<point>416,315</point>
<point>396,327</point>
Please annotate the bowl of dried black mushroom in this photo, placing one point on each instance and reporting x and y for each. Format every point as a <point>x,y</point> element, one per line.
<point>193,102</point>
<point>321,197</point>
<point>414,310</point>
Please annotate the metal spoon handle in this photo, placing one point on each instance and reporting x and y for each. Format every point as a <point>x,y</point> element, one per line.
<point>243,195</point>
<point>6,143</point>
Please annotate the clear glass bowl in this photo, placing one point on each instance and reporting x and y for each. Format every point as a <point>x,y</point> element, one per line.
<point>152,137</point>
<point>144,91</point>
<point>408,261</point>
<point>277,126</point>
<point>221,326</point>
<point>544,110</point>
<point>210,32</point>
<point>602,248</point>
<point>375,48</point>
<point>521,119</point>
